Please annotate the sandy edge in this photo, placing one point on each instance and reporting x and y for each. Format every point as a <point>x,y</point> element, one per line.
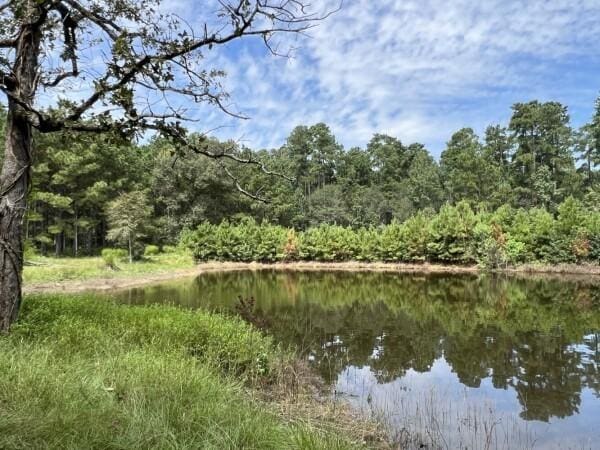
<point>568,271</point>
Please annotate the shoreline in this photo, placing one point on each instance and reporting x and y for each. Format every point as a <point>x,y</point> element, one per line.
<point>572,272</point>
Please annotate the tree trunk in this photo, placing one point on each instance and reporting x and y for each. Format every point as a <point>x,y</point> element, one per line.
<point>14,180</point>
<point>57,244</point>
<point>75,239</point>
<point>130,250</point>
<point>15,174</point>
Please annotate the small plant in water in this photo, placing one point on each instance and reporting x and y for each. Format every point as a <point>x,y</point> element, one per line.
<point>245,308</point>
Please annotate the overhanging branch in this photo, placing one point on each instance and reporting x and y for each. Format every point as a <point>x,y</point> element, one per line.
<point>8,43</point>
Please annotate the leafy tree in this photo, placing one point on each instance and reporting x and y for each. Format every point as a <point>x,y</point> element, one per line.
<point>543,138</point>
<point>464,170</point>
<point>355,168</point>
<point>75,175</point>
<point>424,184</point>
<point>128,219</point>
<point>587,144</point>
<point>328,206</point>
<point>498,145</point>
<point>452,234</point>
<point>367,206</point>
<point>389,158</point>
<point>314,155</point>
<point>391,170</point>
<point>143,53</point>
<point>189,190</point>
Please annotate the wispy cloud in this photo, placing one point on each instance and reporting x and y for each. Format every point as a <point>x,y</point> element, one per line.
<point>418,69</point>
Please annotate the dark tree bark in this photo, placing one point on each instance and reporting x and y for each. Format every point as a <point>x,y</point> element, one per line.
<point>15,175</point>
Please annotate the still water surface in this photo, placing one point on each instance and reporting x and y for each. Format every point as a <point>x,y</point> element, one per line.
<point>446,361</point>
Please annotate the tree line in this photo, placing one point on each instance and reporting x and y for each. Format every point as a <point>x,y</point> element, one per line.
<point>89,187</point>
<point>454,235</point>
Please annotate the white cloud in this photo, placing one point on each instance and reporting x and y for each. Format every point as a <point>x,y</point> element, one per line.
<point>417,69</point>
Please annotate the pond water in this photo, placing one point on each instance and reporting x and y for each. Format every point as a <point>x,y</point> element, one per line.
<point>477,362</point>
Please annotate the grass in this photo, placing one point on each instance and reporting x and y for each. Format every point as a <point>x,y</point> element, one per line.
<point>76,373</point>
<point>42,269</point>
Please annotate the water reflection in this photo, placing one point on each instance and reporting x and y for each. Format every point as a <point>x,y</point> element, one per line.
<point>529,343</point>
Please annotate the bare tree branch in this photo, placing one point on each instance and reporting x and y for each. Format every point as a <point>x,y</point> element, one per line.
<point>148,60</point>
<point>8,43</point>
<point>109,27</point>
<point>7,81</point>
<point>59,78</point>
<point>239,187</point>
<point>242,27</point>
<point>179,136</point>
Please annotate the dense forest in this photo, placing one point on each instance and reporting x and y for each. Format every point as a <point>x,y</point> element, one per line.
<point>89,186</point>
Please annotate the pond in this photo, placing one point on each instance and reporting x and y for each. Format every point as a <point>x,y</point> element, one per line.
<point>469,361</point>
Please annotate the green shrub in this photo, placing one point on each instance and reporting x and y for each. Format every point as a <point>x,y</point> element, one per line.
<point>151,250</point>
<point>367,244</point>
<point>328,243</point>
<point>452,234</point>
<point>246,241</point>
<point>516,251</point>
<point>111,256</point>
<point>169,249</point>
<point>416,236</point>
<point>391,245</point>
<point>455,235</point>
<point>29,250</point>
<point>291,249</point>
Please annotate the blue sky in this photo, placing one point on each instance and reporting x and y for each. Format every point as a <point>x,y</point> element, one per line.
<point>415,69</point>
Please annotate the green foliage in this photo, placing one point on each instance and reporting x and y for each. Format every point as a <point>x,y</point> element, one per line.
<point>525,164</point>
<point>111,256</point>
<point>465,172</point>
<point>246,241</point>
<point>74,178</point>
<point>455,235</point>
<point>29,251</point>
<point>329,243</point>
<point>151,250</point>
<point>128,219</point>
<point>452,234</point>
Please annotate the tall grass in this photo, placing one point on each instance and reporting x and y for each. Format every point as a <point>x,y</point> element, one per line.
<point>79,373</point>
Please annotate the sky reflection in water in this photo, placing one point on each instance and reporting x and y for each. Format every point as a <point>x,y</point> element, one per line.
<point>475,361</point>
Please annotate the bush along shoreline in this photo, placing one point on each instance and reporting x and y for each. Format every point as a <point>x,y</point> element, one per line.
<point>456,235</point>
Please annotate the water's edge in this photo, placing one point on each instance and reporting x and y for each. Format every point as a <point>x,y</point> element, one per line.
<point>572,272</point>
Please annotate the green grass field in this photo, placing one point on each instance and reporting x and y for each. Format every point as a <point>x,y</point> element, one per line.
<point>42,269</point>
<point>76,372</point>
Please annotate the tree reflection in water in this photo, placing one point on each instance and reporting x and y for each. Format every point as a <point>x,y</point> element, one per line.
<point>539,337</point>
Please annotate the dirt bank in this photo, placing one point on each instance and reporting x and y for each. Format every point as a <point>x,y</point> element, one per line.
<point>575,272</point>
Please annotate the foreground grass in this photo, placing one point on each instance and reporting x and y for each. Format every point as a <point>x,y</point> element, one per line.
<point>48,269</point>
<point>79,373</point>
